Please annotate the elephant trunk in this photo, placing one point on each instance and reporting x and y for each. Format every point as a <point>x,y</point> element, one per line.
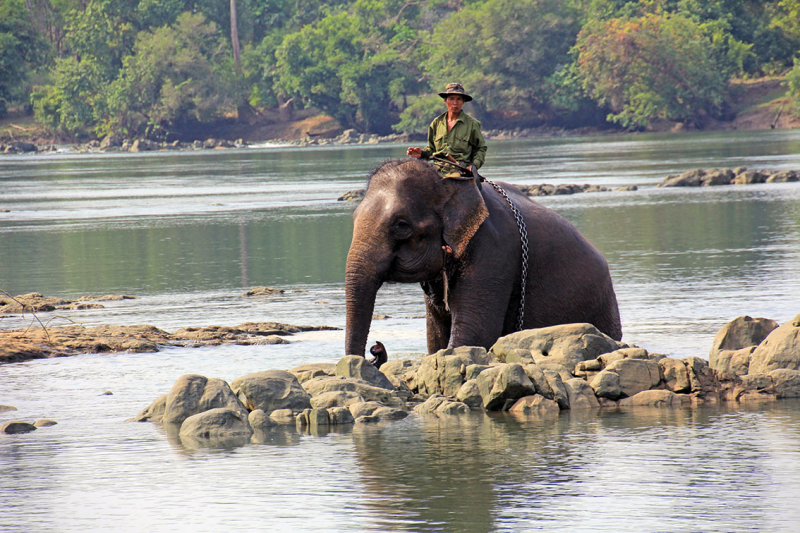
<point>362,281</point>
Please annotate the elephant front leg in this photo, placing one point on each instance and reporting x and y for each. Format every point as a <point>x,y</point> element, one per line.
<point>478,313</point>
<point>437,316</point>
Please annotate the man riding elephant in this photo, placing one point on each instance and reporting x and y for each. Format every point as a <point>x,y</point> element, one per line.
<point>454,135</point>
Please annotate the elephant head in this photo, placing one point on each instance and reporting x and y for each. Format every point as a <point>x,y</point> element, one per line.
<point>409,212</point>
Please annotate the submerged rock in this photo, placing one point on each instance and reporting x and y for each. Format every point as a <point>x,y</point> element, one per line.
<point>16,426</point>
<point>219,427</point>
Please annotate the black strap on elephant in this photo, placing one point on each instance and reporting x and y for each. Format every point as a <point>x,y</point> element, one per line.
<point>523,230</point>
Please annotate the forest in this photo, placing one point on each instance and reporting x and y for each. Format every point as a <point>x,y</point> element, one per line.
<point>89,68</point>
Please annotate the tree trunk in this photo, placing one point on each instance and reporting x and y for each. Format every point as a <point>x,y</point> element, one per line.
<point>235,36</point>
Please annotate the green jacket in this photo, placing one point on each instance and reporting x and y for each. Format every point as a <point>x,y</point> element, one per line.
<point>464,142</point>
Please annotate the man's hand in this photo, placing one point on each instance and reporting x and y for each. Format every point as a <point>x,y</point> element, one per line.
<point>414,152</point>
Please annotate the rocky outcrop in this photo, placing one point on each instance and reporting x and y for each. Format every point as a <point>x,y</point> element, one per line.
<point>271,390</point>
<point>739,176</point>
<point>193,394</point>
<point>353,366</point>
<point>219,427</point>
<point>445,371</point>
<point>545,189</point>
<point>779,350</point>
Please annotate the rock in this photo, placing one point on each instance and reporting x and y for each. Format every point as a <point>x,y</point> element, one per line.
<point>314,420</point>
<point>271,390</point>
<point>536,405</point>
<point>690,178</point>
<point>282,416</point>
<point>502,384</point>
<point>192,394</point>
<point>263,291</point>
<point>674,375</point>
<point>717,177</point>
<point>780,350</point>
<point>652,398</point>
<point>567,344</point>
<point>353,196</point>
<point>44,422</point>
<point>259,421</point>
<point>580,394</point>
<point>606,385</point>
<point>138,146</point>
<point>784,176</point>
<point>319,385</point>
<point>627,188</point>
<point>305,372</point>
<point>329,399</point>
<point>749,177</point>
<point>402,373</point>
<point>741,332</point>
<point>786,383</point>
<point>470,394</point>
<point>444,371</point>
<point>635,375</point>
<point>355,366</point>
<point>340,416</point>
<point>110,141</point>
<point>556,383</point>
<point>540,384</point>
<point>154,412</point>
<point>376,410</point>
<point>732,362</point>
<point>21,147</point>
<point>219,427</point>
<point>441,406</point>
<point>4,408</point>
<point>16,426</point>
<point>702,379</point>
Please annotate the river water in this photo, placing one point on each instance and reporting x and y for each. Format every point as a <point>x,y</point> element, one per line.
<point>188,233</point>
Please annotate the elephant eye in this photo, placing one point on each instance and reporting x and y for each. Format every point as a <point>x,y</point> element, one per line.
<point>401,229</point>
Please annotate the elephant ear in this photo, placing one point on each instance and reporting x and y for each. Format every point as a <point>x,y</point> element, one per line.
<point>463,213</point>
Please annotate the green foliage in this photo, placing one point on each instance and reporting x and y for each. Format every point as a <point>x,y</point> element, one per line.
<point>793,82</point>
<point>418,115</point>
<point>503,50</point>
<point>175,73</point>
<point>21,50</point>
<point>655,66</point>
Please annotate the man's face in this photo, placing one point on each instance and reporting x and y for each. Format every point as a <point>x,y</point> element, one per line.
<point>454,103</point>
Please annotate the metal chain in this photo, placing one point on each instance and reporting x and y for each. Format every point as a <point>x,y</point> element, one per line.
<point>523,236</point>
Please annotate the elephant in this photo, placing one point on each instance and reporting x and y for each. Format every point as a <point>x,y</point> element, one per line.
<point>461,242</point>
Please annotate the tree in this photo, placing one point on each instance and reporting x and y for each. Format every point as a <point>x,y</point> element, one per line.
<point>21,49</point>
<point>658,66</point>
<point>504,50</point>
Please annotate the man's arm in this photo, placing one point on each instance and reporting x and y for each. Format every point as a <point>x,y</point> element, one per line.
<point>478,146</point>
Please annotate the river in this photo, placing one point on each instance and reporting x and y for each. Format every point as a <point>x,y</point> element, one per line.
<point>187,233</point>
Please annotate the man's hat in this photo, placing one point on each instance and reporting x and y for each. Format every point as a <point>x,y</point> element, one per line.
<point>455,88</point>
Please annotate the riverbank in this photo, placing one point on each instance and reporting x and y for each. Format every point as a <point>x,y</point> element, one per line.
<point>756,105</point>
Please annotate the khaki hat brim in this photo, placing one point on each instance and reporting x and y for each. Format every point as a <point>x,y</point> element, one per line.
<point>466,97</point>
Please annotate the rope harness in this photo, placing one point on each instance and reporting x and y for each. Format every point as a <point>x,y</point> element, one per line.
<point>523,237</point>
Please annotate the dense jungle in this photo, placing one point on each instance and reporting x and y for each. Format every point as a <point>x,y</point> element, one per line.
<point>83,69</point>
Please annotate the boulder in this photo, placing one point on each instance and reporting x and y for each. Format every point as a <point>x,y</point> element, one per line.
<point>4,408</point>
<point>732,362</point>
<point>16,426</point>
<point>702,379</point>
<point>319,385</point>
<point>282,416</point>
<point>110,141</point>
<point>259,421</point>
<point>329,399</point>
<point>305,372</point>
<point>540,384</point>
<point>717,177</point>
<point>192,394</point>
<point>780,350</point>
<point>154,412</point>
<point>652,398</point>
<point>470,394</point>
<point>556,383</point>
<point>439,405</point>
<point>741,332</point>
<point>355,366</point>
<point>377,411</point>
<point>635,375</point>
<point>786,383</point>
<point>536,405</point>
<point>340,416</point>
<point>501,385</point>
<point>580,394</point>
<point>44,423</point>
<point>749,177</point>
<point>402,372</point>
<point>690,178</point>
<point>784,176</point>
<point>567,344</point>
<point>220,427</point>
<point>444,372</point>
<point>674,375</point>
<point>606,385</point>
<point>314,420</point>
<point>271,390</point>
